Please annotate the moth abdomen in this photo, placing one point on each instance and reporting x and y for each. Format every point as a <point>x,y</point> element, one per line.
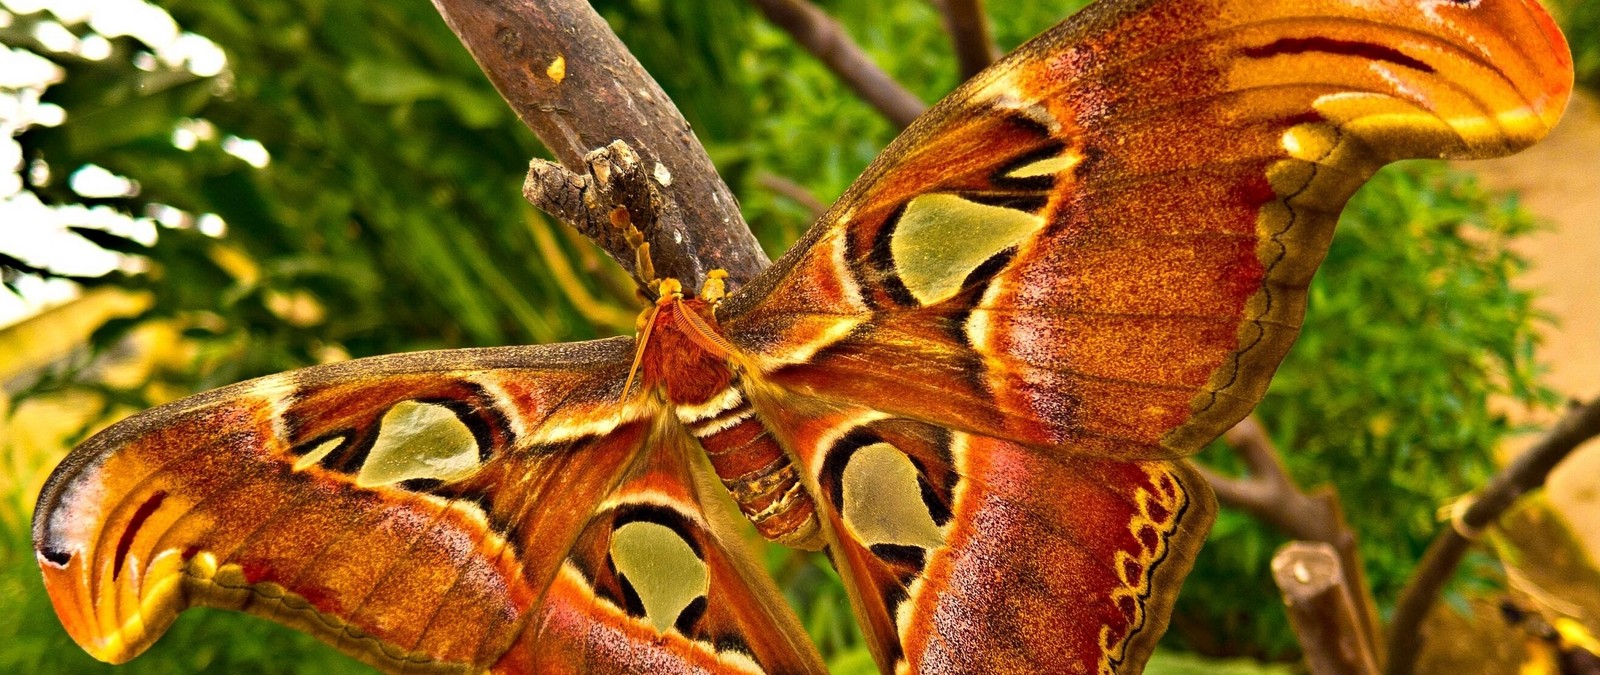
<point>754,468</point>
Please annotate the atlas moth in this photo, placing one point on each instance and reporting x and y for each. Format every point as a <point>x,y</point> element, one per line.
<point>972,382</point>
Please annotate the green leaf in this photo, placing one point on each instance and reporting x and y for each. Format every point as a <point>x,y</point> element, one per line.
<point>388,83</point>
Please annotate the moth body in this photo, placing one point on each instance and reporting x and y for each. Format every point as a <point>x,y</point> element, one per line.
<point>684,358</point>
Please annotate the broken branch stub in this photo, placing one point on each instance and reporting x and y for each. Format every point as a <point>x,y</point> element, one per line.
<point>615,194</point>
<point>1322,609</point>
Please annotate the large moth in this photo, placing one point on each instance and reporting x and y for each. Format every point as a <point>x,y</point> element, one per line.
<point>972,383</point>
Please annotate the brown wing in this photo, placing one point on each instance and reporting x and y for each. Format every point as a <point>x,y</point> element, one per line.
<point>963,553</point>
<point>657,582</point>
<point>1083,263</point>
<point>1103,242</point>
<point>432,511</point>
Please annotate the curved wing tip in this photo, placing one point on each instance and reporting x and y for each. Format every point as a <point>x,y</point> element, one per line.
<point>66,587</point>
<point>1546,60</point>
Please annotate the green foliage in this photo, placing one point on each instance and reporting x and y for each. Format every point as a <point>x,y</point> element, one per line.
<point>1412,328</point>
<point>392,202</point>
<point>1181,663</point>
<point>392,197</point>
<point>1580,20</point>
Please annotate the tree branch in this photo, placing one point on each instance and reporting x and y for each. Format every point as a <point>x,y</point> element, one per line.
<point>1269,494</point>
<point>1527,472</point>
<point>578,88</point>
<point>1322,609</point>
<point>968,27</point>
<point>821,35</point>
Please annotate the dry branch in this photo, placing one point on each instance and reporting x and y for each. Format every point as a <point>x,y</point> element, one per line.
<point>964,20</point>
<point>1322,609</point>
<point>1269,494</point>
<point>821,35</point>
<point>578,88</point>
<point>1527,472</point>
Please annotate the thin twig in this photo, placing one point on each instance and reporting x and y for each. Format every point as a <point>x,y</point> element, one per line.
<point>792,191</point>
<point>1439,562</point>
<point>1267,491</point>
<point>968,27</point>
<point>822,35</point>
<point>578,88</point>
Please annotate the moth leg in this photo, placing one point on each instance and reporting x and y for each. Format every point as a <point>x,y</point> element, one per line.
<point>644,270</point>
<point>715,287</point>
<point>670,289</point>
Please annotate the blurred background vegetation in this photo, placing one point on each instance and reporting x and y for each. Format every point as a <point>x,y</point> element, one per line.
<point>347,183</point>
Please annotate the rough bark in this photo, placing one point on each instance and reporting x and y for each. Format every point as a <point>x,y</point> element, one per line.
<point>578,88</point>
